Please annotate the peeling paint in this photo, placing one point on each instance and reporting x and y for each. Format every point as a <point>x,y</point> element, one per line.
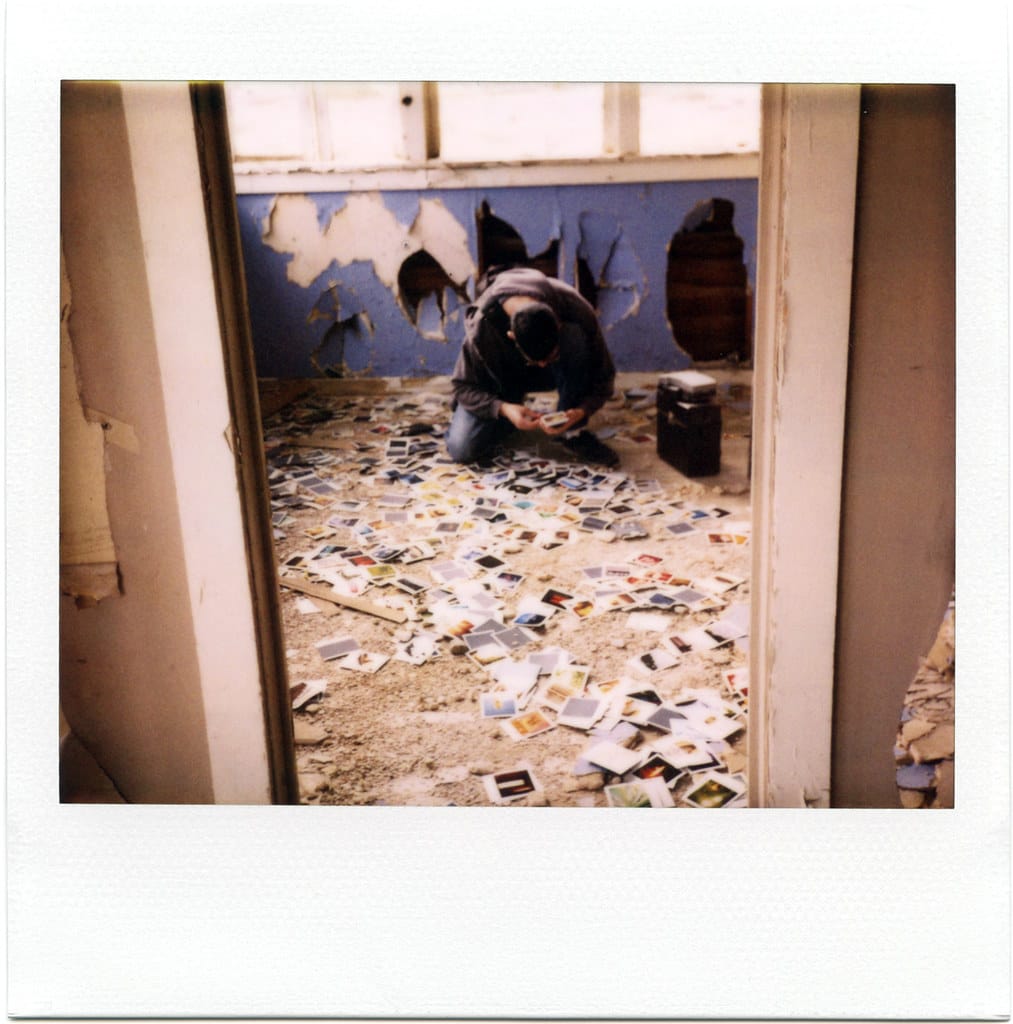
<point>88,559</point>
<point>364,229</point>
<point>114,431</point>
<point>325,258</point>
<point>441,234</point>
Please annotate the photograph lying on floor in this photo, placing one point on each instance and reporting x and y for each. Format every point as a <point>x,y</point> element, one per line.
<point>614,658</point>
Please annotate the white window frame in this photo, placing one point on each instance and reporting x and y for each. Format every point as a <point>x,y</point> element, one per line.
<point>423,169</point>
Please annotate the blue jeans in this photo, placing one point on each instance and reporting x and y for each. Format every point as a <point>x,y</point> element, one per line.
<point>469,438</point>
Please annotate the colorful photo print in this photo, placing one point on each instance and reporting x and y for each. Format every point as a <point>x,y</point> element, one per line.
<point>714,790</point>
<point>523,727</point>
<point>503,787</point>
<point>498,705</point>
<point>487,654</point>
<point>656,767</point>
<point>556,598</point>
<point>643,793</point>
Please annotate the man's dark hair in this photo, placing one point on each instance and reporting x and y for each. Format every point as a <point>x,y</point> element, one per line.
<point>536,330</point>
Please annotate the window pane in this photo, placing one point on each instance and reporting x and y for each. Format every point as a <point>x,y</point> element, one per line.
<point>699,119</point>
<point>519,120</point>
<point>270,120</point>
<point>360,123</point>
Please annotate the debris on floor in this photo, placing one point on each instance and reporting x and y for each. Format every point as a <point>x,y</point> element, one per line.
<point>594,622</point>
<point>924,750</point>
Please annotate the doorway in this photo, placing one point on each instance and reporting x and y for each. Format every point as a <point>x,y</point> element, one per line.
<point>381,541</point>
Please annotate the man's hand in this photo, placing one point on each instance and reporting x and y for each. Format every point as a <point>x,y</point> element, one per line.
<point>573,417</point>
<point>520,416</point>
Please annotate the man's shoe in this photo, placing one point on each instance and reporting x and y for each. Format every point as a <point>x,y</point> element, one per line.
<point>586,446</point>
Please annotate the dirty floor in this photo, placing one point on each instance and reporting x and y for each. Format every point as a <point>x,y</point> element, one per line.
<point>442,684</point>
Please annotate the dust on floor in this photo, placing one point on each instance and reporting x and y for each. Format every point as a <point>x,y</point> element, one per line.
<point>490,542</point>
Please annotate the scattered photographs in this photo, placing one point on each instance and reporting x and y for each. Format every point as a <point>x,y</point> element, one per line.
<point>473,538</point>
<point>419,649</point>
<point>498,705</point>
<point>487,653</point>
<point>524,727</point>
<point>302,693</point>
<point>565,681</point>
<point>364,661</point>
<point>337,647</point>
<point>681,529</point>
<point>715,789</point>
<point>505,787</point>
<point>657,660</point>
<point>580,712</point>
<point>657,767</point>
<point>642,793</point>
<point>662,718</point>
<point>613,758</point>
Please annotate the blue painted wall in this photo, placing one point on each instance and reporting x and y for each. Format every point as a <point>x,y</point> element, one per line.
<point>623,232</point>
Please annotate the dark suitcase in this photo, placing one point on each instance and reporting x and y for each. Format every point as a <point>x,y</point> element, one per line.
<point>689,423</point>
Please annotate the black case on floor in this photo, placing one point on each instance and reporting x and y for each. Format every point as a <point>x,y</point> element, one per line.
<point>689,432</point>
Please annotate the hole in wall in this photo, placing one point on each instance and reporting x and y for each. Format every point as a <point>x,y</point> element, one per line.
<point>586,283</point>
<point>500,245</point>
<point>421,275</point>
<point>706,285</point>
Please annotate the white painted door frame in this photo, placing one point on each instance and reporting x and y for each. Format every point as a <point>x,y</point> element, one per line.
<point>809,147</point>
<point>164,165</point>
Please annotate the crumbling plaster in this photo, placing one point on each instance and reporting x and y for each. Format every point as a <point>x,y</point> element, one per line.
<point>322,269</point>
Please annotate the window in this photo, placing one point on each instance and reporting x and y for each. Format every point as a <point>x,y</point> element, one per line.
<point>455,133</point>
<point>699,119</point>
<point>519,121</point>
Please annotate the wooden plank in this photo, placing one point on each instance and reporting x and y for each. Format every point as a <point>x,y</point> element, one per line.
<point>359,604</point>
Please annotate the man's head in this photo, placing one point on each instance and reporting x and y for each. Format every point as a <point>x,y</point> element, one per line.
<point>534,329</point>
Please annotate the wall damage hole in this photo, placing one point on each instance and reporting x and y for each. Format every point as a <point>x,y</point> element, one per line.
<point>500,245</point>
<point>422,278</point>
<point>586,284</point>
<point>707,291</point>
<point>348,319</point>
<point>328,358</point>
<point>609,274</point>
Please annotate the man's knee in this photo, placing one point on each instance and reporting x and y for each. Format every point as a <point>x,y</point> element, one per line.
<point>460,449</point>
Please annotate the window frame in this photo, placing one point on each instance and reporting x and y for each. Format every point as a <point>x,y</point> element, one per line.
<point>620,160</point>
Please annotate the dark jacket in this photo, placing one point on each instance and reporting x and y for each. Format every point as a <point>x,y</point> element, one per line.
<point>489,369</point>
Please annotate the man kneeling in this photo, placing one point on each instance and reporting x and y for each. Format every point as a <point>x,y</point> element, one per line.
<point>527,332</point>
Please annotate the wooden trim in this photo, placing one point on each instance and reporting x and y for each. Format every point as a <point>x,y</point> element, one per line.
<point>210,125</point>
<point>283,177</point>
<point>803,303</point>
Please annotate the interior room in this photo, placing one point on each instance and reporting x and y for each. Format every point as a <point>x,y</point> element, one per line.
<point>258,507</point>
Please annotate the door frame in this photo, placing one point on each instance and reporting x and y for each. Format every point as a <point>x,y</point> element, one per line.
<point>808,175</point>
<point>809,152</point>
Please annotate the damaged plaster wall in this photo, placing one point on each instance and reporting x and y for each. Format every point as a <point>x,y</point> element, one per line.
<point>88,570</point>
<point>129,677</point>
<point>327,288</point>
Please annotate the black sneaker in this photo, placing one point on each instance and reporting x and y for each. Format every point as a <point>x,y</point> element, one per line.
<point>586,446</point>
